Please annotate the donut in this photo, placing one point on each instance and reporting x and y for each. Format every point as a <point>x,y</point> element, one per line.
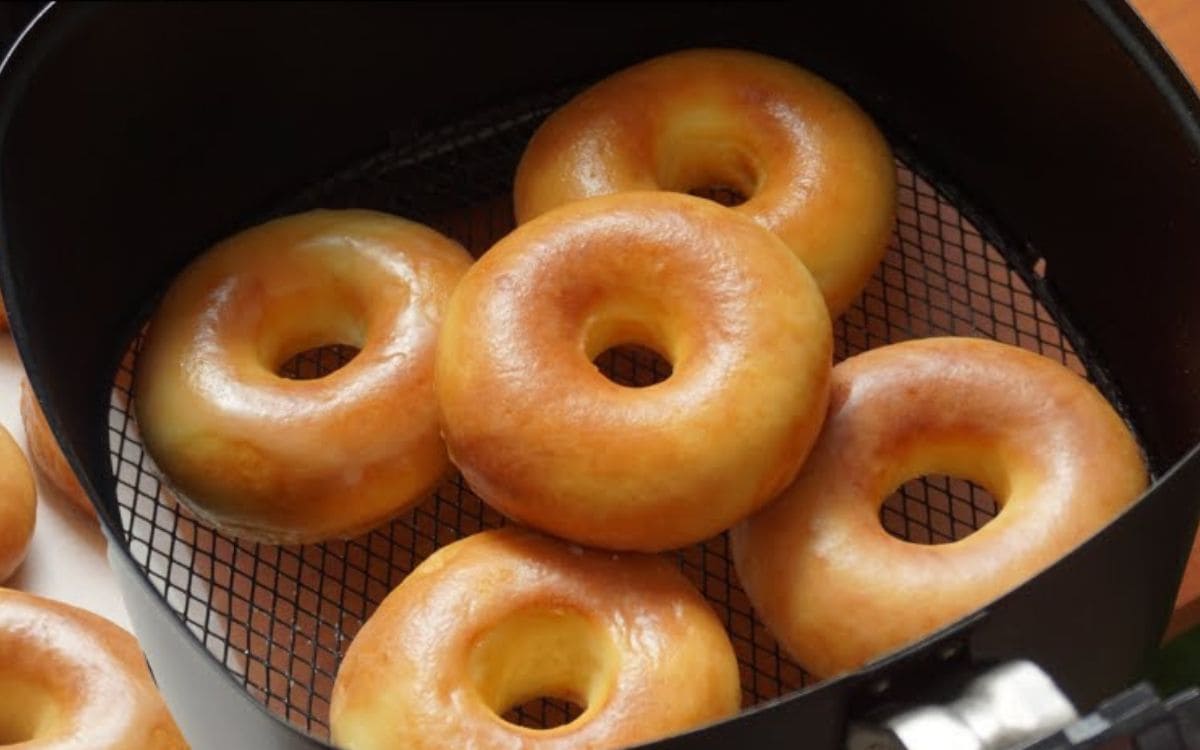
<point>283,461</point>
<point>542,436</point>
<point>18,505</point>
<point>503,617</point>
<point>72,679</point>
<point>837,590</point>
<point>47,455</point>
<point>810,164</point>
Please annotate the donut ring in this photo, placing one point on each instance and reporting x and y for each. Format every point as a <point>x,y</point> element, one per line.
<point>546,439</point>
<point>71,679</point>
<point>812,166</point>
<point>291,461</point>
<point>837,590</point>
<point>18,505</point>
<point>46,453</point>
<point>502,617</point>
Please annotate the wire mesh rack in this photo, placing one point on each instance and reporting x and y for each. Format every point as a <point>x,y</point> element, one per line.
<point>280,618</point>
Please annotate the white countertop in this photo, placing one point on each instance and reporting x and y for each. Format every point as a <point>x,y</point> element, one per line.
<point>67,559</point>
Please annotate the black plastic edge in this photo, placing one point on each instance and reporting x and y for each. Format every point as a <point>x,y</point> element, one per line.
<point>1118,19</point>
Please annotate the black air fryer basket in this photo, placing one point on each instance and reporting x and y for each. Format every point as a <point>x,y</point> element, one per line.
<point>1048,157</point>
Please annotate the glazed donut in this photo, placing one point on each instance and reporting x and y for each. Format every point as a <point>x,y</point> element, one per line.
<point>503,617</point>
<point>810,164</point>
<point>285,461</point>
<point>46,453</point>
<point>837,590</point>
<point>541,435</point>
<point>71,679</point>
<point>18,505</point>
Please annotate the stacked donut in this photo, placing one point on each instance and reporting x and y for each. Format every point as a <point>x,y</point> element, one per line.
<point>489,367</point>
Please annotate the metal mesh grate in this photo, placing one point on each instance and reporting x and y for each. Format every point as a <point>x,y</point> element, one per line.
<point>280,618</point>
<point>633,366</point>
<point>313,363</point>
<point>937,509</point>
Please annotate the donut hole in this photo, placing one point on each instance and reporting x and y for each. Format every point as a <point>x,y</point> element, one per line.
<point>539,667</point>
<point>543,712</point>
<point>317,362</point>
<point>633,365</point>
<point>16,729</point>
<point>937,509</point>
<point>308,330</point>
<point>723,194</point>
<point>627,351</point>
<point>702,159</point>
<point>25,708</point>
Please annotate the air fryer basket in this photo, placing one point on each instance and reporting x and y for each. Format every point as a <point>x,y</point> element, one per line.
<point>1049,197</point>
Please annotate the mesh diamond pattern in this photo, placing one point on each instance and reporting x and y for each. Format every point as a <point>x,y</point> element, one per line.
<point>280,618</point>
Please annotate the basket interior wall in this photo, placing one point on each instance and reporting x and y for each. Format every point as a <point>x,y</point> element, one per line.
<point>280,618</point>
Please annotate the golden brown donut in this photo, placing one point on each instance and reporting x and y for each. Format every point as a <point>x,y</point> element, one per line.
<point>811,165</point>
<point>70,680</point>
<point>546,439</point>
<point>287,461</point>
<point>18,505</point>
<point>46,453</point>
<point>503,617</point>
<point>837,590</point>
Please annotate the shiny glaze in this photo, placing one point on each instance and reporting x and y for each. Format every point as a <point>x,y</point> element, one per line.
<point>837,590</point>
<point>71,680</point>
<point>813,167</point>
<point>287,461</point>
<point>546,439</point>
<point>648,656</point>
<point>46,453</point>
<point>18,505</point>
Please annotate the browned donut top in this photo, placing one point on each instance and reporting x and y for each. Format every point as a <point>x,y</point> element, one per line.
<point>505,616</point>
<point>837,589</point>
<point>273,458</point>
<point>70,680</point>
<point>811,165</point>
<point>546,438</point>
